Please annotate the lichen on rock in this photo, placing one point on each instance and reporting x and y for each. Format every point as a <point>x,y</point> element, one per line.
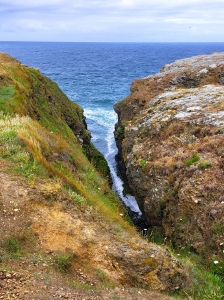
<point>173,150</point>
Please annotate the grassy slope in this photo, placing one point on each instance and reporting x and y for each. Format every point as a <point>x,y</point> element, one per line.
<point>41,129</point>
<point>25,91</point>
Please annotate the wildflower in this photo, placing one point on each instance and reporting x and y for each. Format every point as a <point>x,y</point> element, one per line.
<point>216,262</point>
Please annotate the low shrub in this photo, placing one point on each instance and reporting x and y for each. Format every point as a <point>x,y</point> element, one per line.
<point>193,160</point>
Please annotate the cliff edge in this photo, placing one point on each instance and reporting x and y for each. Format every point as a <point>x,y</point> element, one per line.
<point>171,147</point>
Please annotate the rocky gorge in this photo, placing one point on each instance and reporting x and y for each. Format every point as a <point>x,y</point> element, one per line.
<point>171,149</point>
<point>64,233</point>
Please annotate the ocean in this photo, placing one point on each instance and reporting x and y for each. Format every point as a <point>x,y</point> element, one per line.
<point>97,75</point>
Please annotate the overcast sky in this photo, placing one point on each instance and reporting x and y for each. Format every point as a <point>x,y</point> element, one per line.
<point>112,21</point>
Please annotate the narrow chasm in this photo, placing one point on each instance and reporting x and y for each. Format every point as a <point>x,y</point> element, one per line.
<point>125,193</point>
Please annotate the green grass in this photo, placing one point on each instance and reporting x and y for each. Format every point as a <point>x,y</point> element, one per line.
<point>205,279</point>
<point>7,135</point>
<point>217,268</point>
<point>12,149</point>
<point>31,148</point>
<point>31,93</point>
<point>11,247</point>
<point>104,283</point>
<point>6,93</point>
<point>157,236</point>
<point>205,285</point>
<point>16,245</point>
<point>217,227</point>
<point>63,261</point>
<point>101,275</point>
<point>83,286</point>
<point>78,199</point>
<point>11,101</point>
<point>30,169</point>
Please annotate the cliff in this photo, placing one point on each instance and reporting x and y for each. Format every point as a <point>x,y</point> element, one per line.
<point>171,146</point>
<point>64,234</point>
<point>25,91</point>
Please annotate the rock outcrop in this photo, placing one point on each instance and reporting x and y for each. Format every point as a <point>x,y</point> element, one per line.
<point>171,146</point>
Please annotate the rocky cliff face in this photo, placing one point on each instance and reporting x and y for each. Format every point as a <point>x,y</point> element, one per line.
<point>171,145</point>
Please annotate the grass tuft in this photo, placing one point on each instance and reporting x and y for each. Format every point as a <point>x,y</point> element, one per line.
<point>63,261</point>
<point>12,246</point>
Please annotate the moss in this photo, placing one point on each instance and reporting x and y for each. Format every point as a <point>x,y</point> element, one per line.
<point>142,162</point>
<point>193,160</point>
<point>119,131</point>
<point>204,165</point>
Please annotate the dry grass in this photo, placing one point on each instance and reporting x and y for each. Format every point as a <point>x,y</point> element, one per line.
<point>54,154</point>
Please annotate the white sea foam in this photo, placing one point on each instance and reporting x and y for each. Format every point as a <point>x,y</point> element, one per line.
<point>103,117</point>
<point>128,200</point>
<point>106,119</point>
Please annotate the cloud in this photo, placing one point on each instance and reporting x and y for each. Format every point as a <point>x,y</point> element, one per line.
<point>118,20</point>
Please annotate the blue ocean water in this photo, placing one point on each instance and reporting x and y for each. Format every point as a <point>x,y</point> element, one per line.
<point>97,75</point>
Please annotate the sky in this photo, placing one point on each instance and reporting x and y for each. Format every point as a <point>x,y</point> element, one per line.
<point>112,21</point>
